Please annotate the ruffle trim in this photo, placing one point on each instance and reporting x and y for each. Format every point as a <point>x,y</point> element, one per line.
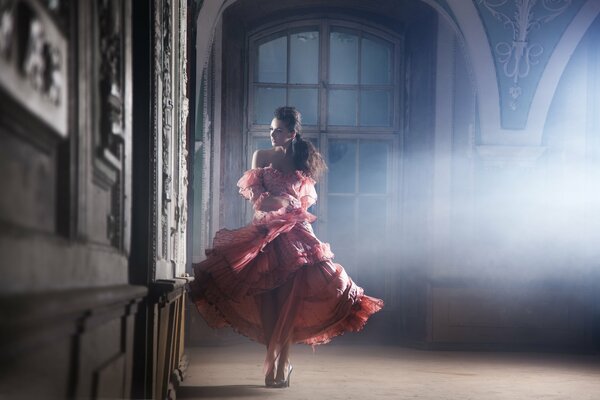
<point>251,184</point>
<point>356,320</point>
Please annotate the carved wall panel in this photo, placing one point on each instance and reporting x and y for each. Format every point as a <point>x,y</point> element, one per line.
<point>29,183</point>
<point>65,124</point>
<point>169,137</point>
<point>111,139</point>
<point>33,60</point>
<point>34,102</point>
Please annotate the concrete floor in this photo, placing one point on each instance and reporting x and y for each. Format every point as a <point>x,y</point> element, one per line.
<point>350,371</point>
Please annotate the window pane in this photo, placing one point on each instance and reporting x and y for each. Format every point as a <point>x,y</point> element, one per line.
<point>375,108</point>
<point>375,58</point>
<point>341,224</point>
<point>304,57</point>
<point>272,61</point>
<point>305,100</point>
<point>262,143</point>
<point>373,164</point>
<point>342,107</point>
<point>266,101</point>
<point>372,216</point>
<point>342,166</point>
<point>343,58</point>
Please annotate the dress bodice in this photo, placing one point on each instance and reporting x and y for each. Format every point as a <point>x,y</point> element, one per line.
<point>268,181</point>
<point>279,183</point>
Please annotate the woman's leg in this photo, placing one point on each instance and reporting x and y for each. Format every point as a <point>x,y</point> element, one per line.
<point>268,316</point>
<point>283,362</point>
<point>278,313</point>
<point>282,294</point>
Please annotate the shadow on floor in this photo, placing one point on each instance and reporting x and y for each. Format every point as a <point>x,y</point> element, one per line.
<point>228,391</point>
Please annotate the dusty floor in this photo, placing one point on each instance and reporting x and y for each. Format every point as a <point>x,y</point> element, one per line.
<point>347,371</point>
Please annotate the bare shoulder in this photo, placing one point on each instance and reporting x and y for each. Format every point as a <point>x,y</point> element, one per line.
<point>262,158</point>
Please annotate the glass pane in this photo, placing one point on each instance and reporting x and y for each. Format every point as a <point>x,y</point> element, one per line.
<point>373,164</point>
<point>372,216</point>
<point>272,61</point>
<point>266,100</point>
<point>304,57</point>
<point>305,100</point>
<point>343,58</point>
<point>342,107</point>
<point>261,143</point>
<point>375,108</point>
<point>375,58</point>
<point>341,225</point>
<point>342,166</point>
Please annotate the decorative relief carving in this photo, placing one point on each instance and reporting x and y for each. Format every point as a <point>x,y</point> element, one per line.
<point>167,103</point>
<point>59,10</point>
<point>156,67</point>
<point>167,124</point>
<point>518,57</point>
<point>169,134</point>
<point>110,140</point>
<point>180,213</point>
<point>115,230</point>
<point>111,73</point>
<point>33,55</point>
<point>183,118</point>
<point>41,64</point>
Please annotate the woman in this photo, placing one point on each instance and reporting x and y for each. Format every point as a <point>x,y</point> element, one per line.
<point>273,280</point>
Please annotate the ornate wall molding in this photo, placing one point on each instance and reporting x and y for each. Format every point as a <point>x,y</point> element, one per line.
<point>33,61</point>
<point>181,207</point>
<point>170,125</point>
<point>156,68</point>
<point>110,21</point>
<point>498,124</point>
<point>110,18</point>
<point>519,56</point>
<point>167,118</point>
<point>523,34</point>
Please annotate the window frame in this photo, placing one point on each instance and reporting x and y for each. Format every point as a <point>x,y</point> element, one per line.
<point>324,25</point>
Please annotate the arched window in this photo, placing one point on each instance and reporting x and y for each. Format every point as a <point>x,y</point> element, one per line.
<point>342,76</point>
<point>345,78</point>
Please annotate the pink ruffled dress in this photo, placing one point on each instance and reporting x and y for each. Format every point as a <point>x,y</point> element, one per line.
<point>277,248</point>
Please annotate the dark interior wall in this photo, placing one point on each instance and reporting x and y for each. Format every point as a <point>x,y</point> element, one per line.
<point>417,175</point>
<point>572,162</point>
<point>524,230</point>
<point>67,309</point>
<point>140,272</point>
<point>232,98</point>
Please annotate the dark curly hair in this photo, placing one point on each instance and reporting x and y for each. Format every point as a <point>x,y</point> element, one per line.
<point>306,157</point>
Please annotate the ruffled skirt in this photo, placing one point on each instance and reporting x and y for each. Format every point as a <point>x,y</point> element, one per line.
<point>279,250</point>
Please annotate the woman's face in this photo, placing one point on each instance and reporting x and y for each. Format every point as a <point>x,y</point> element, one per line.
<point>280,135</point>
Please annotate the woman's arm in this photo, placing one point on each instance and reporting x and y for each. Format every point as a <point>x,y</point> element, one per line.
<point>273,203</point>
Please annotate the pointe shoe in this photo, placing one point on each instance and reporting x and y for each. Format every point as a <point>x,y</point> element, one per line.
<point>280,383</point>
